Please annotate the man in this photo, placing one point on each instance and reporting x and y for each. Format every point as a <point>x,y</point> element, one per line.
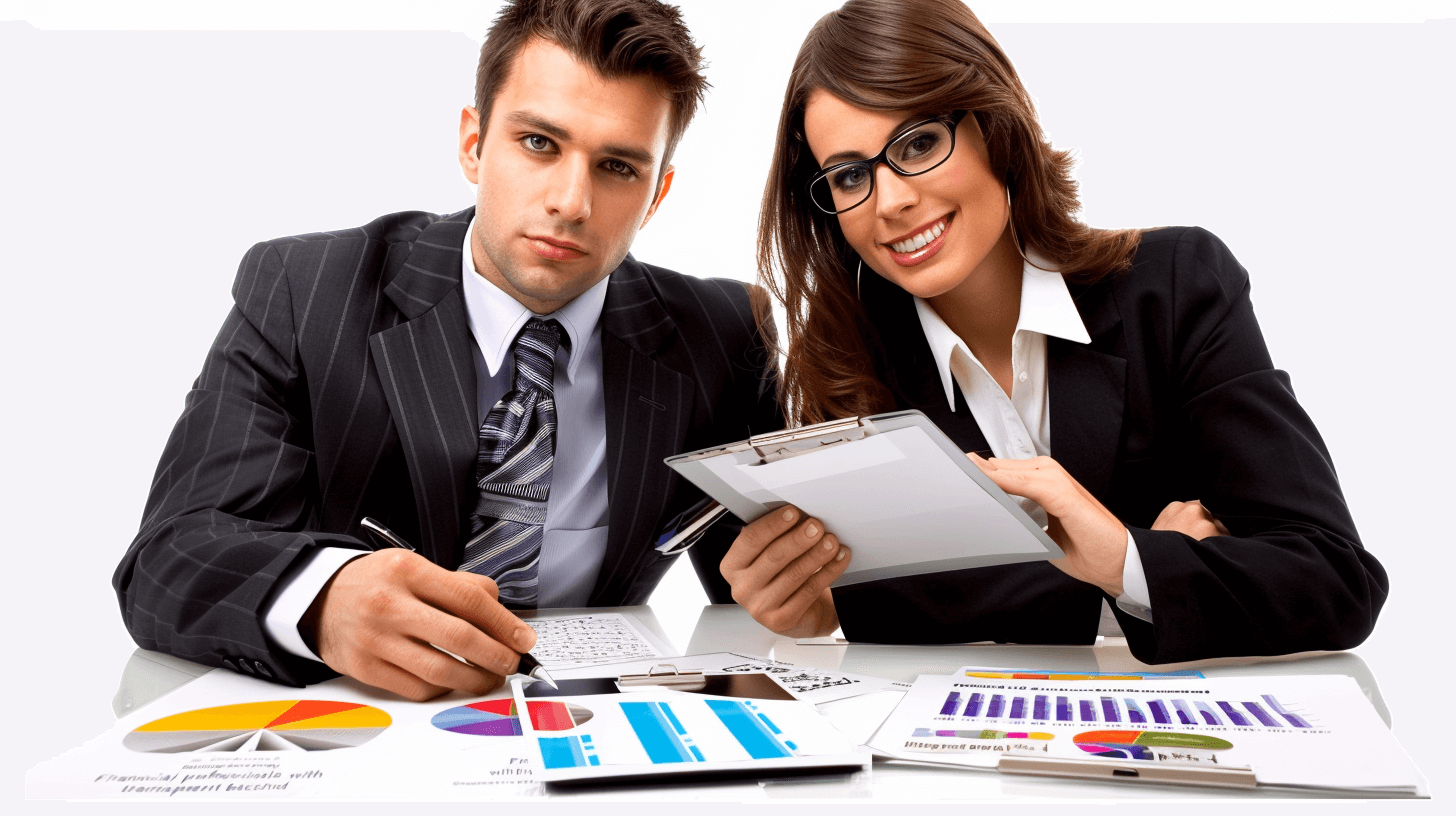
<point>481,383</point>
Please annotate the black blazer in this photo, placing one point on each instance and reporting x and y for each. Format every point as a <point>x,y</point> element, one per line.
<point>1174,399</point>
<point>342,385</point>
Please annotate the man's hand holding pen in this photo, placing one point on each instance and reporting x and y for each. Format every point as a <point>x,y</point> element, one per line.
<point>377,617</point>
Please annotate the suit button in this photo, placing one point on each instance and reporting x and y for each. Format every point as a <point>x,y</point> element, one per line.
<point>245,666</point>
<point>263,669</point>
<point>228,661</point>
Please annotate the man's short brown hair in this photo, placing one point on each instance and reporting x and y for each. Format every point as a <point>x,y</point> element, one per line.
<point>617,38</point>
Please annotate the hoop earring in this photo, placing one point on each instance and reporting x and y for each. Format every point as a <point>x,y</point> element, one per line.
<point>1011,222</point>
<point>858,269</point>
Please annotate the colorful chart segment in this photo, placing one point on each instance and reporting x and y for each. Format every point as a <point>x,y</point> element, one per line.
<point>276,725</point>
<point>499,718</point>
<point>1142,744</point>
<point>663,738</point>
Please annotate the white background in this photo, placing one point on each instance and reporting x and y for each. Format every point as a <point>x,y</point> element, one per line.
<point>137,165</point>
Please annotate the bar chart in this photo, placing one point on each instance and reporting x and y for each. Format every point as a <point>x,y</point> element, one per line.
<point>1106,709</point>
<point>657,730</point>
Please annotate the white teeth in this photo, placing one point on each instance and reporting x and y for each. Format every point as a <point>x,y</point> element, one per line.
<point>912,244</point>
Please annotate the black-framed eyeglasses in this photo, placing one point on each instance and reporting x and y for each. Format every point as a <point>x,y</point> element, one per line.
<point>917,149</point>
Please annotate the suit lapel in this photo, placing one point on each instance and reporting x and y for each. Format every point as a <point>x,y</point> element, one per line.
<point>425,366</point>
<point>1087,393</point>
<point>648,409</point>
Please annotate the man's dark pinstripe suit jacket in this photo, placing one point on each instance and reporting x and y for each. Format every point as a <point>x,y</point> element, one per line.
<point>342,385</point>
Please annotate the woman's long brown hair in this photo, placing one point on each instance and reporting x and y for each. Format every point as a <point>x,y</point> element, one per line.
<point>929,56</point>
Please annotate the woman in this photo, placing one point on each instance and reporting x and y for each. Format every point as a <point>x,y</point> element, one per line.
<point>918,228</point>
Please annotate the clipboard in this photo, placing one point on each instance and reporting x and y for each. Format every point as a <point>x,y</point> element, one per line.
<point>893,487</point>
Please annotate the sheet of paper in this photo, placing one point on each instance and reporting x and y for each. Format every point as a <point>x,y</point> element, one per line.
<point>946,519</point>
<point>225,736</point>
<point>1299,731</point>
<point>1000,673</point>
<point>586,640</point>
<point>658,732</point>
<point>804,682</point>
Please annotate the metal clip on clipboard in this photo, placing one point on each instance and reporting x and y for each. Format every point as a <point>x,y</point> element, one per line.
<point>772,447</point>
<point>672,678</point>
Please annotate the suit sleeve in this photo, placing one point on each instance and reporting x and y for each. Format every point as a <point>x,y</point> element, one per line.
<point>233,494</point>
<point>1292,575</point>
<point>756,383</point>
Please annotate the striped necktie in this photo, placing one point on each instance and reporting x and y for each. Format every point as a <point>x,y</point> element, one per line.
<point>513,470</point>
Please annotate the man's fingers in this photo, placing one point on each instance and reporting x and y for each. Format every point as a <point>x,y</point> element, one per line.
<point>757,536</point>
<point>461,637</point>
<point>436,668</point>
<point>383,674</point>
<point>465,596</point>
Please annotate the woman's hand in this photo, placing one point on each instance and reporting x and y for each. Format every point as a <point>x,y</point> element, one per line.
<point>1093,540</point>
<point>780,568</point>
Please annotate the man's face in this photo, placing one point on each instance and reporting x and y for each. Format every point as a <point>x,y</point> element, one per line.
<point>566,174</point>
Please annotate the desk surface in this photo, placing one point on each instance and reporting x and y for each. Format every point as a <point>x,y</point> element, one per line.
<point>149,676</point>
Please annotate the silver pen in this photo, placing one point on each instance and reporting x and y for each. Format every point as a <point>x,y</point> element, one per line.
<point>385,537</point>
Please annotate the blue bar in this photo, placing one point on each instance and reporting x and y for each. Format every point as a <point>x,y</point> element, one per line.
<point>672,718</point>
<point>1109,710</point>
<point>769,723</point>
<point>1208,715</point>
<point>657,738</point>
<point>1064,710</point>
<point>1134,711</point>
<point>1258,711</point>
<point>1233,713</point>
<point>1294,719</point>
<point>974,706</point>
<point>1160,712</point>
<point>995,709</point>
<point>1088,715</point>
<point>748,730</point>
<point>1185,714</point>
<point>562,752</point>
<point>951,703</point>
<point>1018,708</point>
<point>1039,707</point>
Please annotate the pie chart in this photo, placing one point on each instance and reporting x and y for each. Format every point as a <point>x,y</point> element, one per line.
<point>499,718</point>
<point>1139,744</point>
<point>276,725</point>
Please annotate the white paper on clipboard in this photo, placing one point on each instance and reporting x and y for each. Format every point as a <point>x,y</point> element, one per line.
<point>904,499</point>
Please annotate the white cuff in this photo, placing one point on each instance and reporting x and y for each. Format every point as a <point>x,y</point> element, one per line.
<point>1135,599</point>
<point>296,591</point>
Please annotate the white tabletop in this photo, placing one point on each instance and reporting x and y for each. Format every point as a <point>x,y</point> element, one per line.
<point>149,676</point>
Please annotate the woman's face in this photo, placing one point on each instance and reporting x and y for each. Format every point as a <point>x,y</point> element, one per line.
<point>961,198</point>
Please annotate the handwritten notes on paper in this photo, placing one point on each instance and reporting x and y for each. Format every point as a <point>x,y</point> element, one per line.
<point>814,685</point>
<point>586,640</point>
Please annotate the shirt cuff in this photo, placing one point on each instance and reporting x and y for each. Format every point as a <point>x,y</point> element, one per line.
<point>296,592</point>
<point>1135,599</point>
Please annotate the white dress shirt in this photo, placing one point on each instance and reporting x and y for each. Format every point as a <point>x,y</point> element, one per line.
<point>574,540</point>
<point>1019,426</point>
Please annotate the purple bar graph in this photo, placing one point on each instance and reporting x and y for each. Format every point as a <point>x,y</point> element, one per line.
<point>951,704</point>
<point>1039,707</point>
<point>1064,710</point>
<point>1134,711</point>
<point>1208,714</point>
<point>997,702</point>
<point>1258,711</point>
<point>1109,710</point>
<point>1185,714</point>
<point>1088,715</point>
<point>1160,712</point>
<point>973,708</point>
<point>1233,714</point>
<point>1294,719</point>
<point>1018,708</point>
